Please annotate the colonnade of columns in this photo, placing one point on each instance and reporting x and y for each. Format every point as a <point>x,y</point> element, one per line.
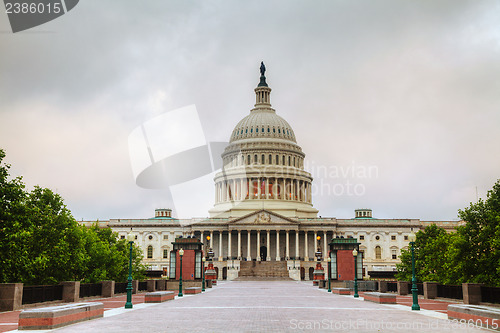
<point>263,188</point>
<point>254,243</point>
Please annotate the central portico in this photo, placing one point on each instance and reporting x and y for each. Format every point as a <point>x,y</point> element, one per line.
<point>265,235</point>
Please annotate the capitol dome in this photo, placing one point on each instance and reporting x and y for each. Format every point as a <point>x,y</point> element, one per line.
<point>263,166</point>
<point>263,123</point>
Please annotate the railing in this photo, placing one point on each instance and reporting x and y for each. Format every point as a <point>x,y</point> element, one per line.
<point>38,294</point>
<point>490,294</point>
<point>451,291</point>
<point>143,285</point>
<point>90,289</point>
<point>120,287</point>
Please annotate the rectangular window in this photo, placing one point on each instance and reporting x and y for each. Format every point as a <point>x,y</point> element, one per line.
<point>165,253</point>
<point>197,266</point>
<point>394,255</point>
<point>122,237</point>
<point>406,238</point>
<point>172,265</point>
<point>361,237</point>
<point>165,237</point>
<point>393,237</point>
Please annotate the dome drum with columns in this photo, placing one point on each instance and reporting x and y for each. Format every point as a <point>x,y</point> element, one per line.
<point>263,166</point>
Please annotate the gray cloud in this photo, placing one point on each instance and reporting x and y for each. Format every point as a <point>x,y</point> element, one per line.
<point>408,87</point>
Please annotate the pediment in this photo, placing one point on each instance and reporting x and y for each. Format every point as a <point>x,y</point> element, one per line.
<point>263,217</point>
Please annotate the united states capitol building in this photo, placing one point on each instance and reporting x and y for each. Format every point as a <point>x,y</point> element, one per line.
<point>264,211</point>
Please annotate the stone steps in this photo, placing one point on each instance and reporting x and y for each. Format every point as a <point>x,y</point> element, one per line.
<point>264,269</point>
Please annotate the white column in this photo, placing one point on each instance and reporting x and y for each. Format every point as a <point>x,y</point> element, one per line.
<point>216,196</point>
<point>212,239</point>
<point>325,250</point>
<point>242,191</point>
<point>239,244</point>
<point>220,245</point>
<point>287,245</point>
<point>258,245</point>
<point>229,244</point>
<point>259,188</point>
<point>296,245</point>
<point>278,254</point>
<point>266,190</point>
<point>268,256</point>
<point>306,247</point>
<point>315,242</point>
<point>249,256</point>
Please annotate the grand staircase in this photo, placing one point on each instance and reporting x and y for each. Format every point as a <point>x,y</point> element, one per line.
<point>263,270</point>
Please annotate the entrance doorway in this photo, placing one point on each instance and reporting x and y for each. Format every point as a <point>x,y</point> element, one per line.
<point>263,253</point>
<point>311,273</point>
<point>302,273</point>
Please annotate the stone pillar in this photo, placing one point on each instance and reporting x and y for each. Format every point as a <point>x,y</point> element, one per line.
<point>108,288</point>
<point>135,286</point>
<point>258,245</point>
<point>266,190</point>
<point>11,296</point>
<point>212,239</point>
<point>472,293</point>
<point>287,245</point>
<point>243,192</point>
<point>382,286</point>
<point>325,249</point>
<point>220,246</point>
<point>71,291</point>
<point>403,287</point>
<point>239,244</point>
<point>278,254</point>
<point>306,247</point>
<point>249,253</point>
<point>268,257</point>
<point>297,245</point>
<point>229,245</point>
<point>430,290</point>
<point>315,242</point>
<point>259,191</point>
<point>151,285</point>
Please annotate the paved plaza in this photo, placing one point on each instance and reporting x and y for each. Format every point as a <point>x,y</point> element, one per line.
<point>268,306</point>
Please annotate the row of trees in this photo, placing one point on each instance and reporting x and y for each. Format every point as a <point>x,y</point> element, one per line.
<point>472,254</point>
<point>41,242</point>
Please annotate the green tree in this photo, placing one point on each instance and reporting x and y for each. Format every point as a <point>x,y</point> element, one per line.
<point>477,253</point>
<point>431,248</point>
<point>15,230</point>
<point>41,242</point>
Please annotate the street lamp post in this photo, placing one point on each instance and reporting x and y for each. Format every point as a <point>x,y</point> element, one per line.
<point>181,253</point>
<point>355,255</point>
<point>412,238</point>
<point>203,274</point>
<point>130,239</point>
<point>329,274</point>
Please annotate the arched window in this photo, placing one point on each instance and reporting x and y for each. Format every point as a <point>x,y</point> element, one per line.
<point>270,159</point>
<point>289,161</point>
<point>378,252</point>
<point>248,159</point>
<point>150,251</point>
<point>277,159</point>
<point>283,160</point>
<point>263,158</point>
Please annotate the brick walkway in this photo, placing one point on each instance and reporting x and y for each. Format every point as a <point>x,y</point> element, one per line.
<point>267,306</point>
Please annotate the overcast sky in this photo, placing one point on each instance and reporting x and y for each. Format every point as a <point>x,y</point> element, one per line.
<point>405,93</point>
